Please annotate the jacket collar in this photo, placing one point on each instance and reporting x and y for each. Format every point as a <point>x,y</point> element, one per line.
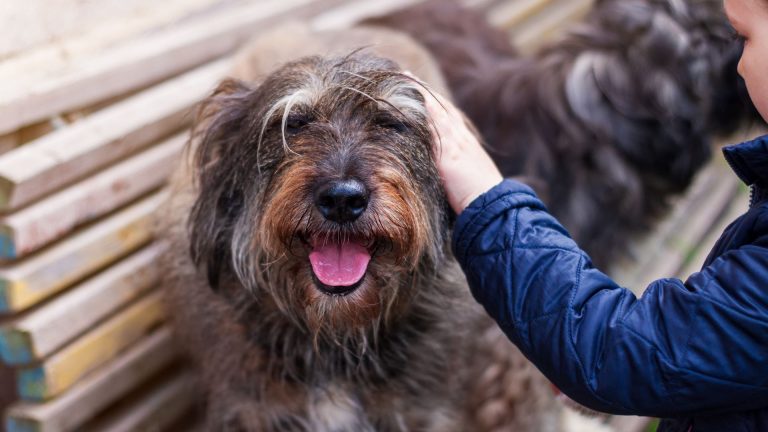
<point>749,161</point>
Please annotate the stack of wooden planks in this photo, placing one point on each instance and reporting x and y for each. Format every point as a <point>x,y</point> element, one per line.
<point>84,153</point>
<point>87,141</point>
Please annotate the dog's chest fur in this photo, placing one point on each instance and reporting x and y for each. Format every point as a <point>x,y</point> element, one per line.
<point>336,410</point>
<point>408,377</point>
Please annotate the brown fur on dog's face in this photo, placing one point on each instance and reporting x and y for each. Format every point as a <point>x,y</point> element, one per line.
<point>264,152</point>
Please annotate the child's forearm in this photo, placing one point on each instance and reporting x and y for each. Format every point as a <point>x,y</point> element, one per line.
<point>593,339</point>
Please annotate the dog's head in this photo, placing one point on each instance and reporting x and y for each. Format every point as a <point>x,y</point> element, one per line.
<point>318,191</point>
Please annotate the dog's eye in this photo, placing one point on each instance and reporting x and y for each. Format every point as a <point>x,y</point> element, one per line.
<point>295,122</point>
<point>392,123</point>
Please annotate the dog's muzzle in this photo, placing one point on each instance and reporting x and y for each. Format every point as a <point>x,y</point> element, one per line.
<point>339,264</point>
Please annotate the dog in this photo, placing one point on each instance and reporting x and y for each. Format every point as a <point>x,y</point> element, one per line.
<point>611,120</point>
<point>309,275</point>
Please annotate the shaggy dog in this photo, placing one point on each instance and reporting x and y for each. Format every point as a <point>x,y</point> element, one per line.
<point>310,276</point>
<point>612,119</point>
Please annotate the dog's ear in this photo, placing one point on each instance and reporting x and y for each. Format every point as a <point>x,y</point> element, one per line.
<point>219,120</point>
<point>220,124</point>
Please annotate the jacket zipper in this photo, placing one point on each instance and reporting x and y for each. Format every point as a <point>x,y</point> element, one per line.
<point>738,173</point>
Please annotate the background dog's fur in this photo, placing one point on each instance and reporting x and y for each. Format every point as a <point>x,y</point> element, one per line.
<point>609,121</point>
<point>441,365</point>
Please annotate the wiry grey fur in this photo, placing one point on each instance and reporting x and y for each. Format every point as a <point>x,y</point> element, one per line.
<point>408,350</point>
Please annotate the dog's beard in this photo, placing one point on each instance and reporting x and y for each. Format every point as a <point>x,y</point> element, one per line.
<point>349,319</point>
<point>269,241</point>
<point>396,234</point>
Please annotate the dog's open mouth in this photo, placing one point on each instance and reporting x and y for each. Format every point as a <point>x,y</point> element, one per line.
<point>338,267</point>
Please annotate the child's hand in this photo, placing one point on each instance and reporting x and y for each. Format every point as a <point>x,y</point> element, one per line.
<point>466,169</point>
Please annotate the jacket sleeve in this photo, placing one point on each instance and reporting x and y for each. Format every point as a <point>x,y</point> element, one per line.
<point>681,349</point>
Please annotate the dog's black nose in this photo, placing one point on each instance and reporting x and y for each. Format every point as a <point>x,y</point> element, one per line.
<point>342,201</point>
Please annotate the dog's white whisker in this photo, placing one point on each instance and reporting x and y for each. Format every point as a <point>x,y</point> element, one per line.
<point>356,75</point>
<point>294,99</point>
<point>360,92</point>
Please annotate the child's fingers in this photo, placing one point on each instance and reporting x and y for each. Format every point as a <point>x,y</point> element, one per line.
<point>436,110</point>
<point>436,104</point>
<point>465,168</point>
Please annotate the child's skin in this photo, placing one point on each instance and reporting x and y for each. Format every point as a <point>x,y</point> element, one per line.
<point>750,20</point>
<point>467,170</point>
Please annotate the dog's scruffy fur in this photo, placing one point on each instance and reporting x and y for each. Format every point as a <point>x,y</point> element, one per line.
<point>407,350</point>
<point>612,119</point>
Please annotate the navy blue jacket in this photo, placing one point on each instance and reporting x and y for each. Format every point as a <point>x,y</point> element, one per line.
<point>694,352</point>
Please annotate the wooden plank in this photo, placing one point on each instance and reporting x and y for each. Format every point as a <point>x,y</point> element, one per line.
<point>546,25</point>
<point>629,423</point>
<point>156,408</point>
<point>142,61</point>
<point>34,131</point>
<point>35,279</point>
<point>508,15</point>
<point>91,351</point>
<point>9,142</point>
<point>97,391</point>
<point>50,219</point>
<point>38,334</point>
<point>352,12</point>
<point>71,153</point>
<point>573,420</point>
<point>45,60</point>
<point>32,23</point>
<point>480,4</point>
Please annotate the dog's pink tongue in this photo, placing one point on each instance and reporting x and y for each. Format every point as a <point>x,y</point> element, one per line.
<point>339,264</point>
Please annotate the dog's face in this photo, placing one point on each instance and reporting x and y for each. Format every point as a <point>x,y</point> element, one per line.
<point>318,192</point>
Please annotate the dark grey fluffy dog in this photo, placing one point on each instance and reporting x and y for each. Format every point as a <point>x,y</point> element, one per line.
<point>309,274</point>
<point>611,120</point>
